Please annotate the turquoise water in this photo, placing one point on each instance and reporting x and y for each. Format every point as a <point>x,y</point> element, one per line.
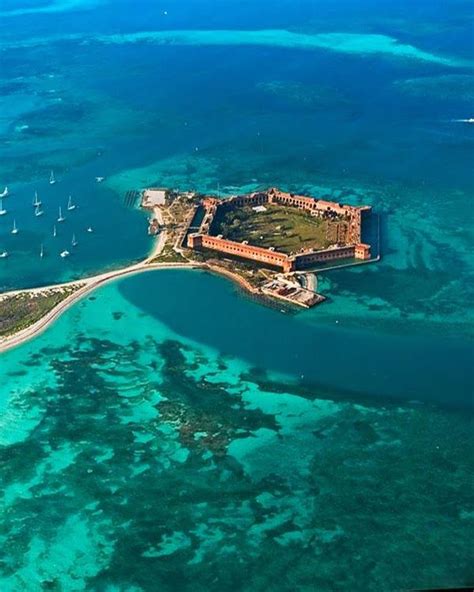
<point>136,456</point>
<point>359,102</point>
<point>170,433</point>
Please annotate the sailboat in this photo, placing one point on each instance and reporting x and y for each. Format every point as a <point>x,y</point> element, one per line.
<point>90,229</point>
<point>36,201</point>
<point>2,209</point>
<point>54,230</point>
<point>38,211</point>
<point>41,252</point>
<point>61,218</point>
<point>14,229</point>
<point>4,254</point>
<point>5,192</point>
<point>70,205</point>
<point>52,179</point>
<point>74,241</point>
<point>64,254</point>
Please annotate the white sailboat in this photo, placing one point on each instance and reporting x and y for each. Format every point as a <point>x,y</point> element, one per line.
<point>14,229</point>
<point>99,179</point>
<point>3,254</point>
<point>5,192</point>
<point>64,254</point>
<point>90,229</point>
<point>38,211</point>
<point>70,205</point>
<point>52,179</point>
<point>74,241</point>
<point>61,218</point>
<point>54,230</point>
<point>36,201</point>
<point>2,209</point>
<point>41,252</point>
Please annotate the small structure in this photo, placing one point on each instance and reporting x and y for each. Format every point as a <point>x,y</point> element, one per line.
<point>154,196</point>
<point>292,292</point>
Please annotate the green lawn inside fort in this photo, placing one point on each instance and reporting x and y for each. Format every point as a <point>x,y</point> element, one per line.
<point>287,229</point>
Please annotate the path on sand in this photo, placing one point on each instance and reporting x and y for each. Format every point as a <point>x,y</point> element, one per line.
<point>87,285</point>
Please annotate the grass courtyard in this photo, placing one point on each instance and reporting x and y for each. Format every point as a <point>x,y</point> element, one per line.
<point>288,230</point>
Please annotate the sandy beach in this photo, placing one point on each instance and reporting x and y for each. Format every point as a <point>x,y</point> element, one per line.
<point>89,284</point>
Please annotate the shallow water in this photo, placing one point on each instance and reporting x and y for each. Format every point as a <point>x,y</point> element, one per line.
<point>360,105</point>
<point>138,458</point>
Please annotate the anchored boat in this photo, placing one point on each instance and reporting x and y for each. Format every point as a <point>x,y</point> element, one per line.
<point>70,205</point>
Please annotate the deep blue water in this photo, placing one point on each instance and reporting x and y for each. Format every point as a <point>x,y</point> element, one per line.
<point>348,361</point>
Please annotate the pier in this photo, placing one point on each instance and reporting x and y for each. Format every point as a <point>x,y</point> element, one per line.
<point>131,198</point>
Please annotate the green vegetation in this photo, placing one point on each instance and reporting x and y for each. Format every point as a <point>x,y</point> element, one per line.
<point>252,271</point>
<point>169,255</point>
<point>22,310</point>
<point>286,229</point>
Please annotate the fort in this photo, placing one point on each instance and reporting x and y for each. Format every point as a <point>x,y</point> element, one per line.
<point>341,223</point>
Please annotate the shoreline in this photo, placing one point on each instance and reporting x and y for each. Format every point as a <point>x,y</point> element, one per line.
<point>89,284</point>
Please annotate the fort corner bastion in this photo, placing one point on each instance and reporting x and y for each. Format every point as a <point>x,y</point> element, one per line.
<point>343,221</point>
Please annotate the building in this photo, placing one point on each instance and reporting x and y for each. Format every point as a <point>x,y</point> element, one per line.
<point>154,196</point>
<point>353,215</point>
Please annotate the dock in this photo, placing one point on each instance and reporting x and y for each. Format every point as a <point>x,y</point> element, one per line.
<point>131,198</point>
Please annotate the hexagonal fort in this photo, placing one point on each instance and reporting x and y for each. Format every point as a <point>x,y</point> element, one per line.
<point>282,230</point>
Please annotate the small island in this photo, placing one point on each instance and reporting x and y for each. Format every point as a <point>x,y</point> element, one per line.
<point>271,242</point>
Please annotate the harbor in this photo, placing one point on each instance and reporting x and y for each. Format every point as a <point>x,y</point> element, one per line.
<point>61,231</point>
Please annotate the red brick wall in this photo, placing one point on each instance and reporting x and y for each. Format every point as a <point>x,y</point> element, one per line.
<point>239,250</point>
<point>307,259</point>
